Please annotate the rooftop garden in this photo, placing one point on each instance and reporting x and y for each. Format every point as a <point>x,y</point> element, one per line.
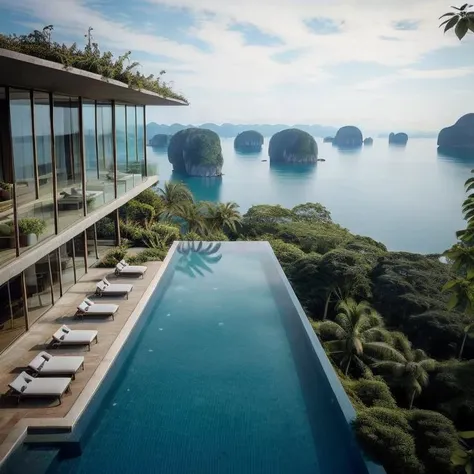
<point>39,44</point>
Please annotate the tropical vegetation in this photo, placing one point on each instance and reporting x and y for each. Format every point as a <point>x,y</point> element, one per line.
<point>91,59</point>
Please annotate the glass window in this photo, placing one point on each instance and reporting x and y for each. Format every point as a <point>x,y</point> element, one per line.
<point>38,289</point>
<point>95,185</point>
<point>124,180</point>
<point>7,239</point>
<point>79,262</point>
<point>92,252</point>
<point>44,205</point>
<point>106,234</point>
<point>12,312</point>
<point>68,160</point>
<point>66,255</point>
<point>31,224</point>
<point>133,166</point>
<point>55,274</point>
<point>141,140</point>
<point>105,149</point>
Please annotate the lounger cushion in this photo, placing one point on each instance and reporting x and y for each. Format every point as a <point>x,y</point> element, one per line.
<point>118,288</point>
<point>19,384</point>
<point>48,386</point>
<point>56,364</point>
<point>61,333</point>
<point>102,309</point>
<point>79,336</point>
<point>107,283</point>
<point>88,302</point>
<point>133,269</point>
<point>101,286</point>
<point>83,306</point>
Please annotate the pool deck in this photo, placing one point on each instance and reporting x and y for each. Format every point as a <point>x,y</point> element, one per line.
<point>15,419</point>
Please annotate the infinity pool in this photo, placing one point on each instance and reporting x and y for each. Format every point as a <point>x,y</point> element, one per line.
<point>220,375</point>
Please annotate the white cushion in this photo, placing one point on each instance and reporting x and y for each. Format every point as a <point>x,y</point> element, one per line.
<point>106,281</point>
<point>88,302</point>
<point>83,306</point>
<point>101,285</point>
<point>20,383</point>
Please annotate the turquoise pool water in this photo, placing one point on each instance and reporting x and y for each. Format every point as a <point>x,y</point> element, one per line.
<point>218,376</point>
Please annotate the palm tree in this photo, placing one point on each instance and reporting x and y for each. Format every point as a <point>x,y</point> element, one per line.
<point>462,298</point>
<point>358,335</point>
<point>174,195</point>
<point>411,370</point>
<point>463,454</point>
<point>462,19</point>
<point>222,216</point>
<point>193,214</point>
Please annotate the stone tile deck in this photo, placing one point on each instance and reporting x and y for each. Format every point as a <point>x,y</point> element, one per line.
<point>17,357</point>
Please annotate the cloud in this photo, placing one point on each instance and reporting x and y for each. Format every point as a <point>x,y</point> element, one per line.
<point>323,26</point>
<point>406,25</point>
<point>254,36</point>
<point>235,58</point>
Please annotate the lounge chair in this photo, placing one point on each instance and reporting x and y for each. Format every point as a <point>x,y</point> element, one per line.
<point>45,364</point>
<point>26,386</point>
<point>123,268</point>
<point>104,288</point>
<point>74,337</point>
<point>89,308</point>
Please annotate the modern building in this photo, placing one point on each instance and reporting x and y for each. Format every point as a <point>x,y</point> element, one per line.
<point>72,151</point>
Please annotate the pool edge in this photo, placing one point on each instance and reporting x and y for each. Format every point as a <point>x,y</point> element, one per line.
<point>19,431</point>
<point>341,396</point>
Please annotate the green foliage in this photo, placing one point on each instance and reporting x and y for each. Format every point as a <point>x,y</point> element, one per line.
<point>373,393</point>
<point>138,212</point>
<point>222,216</point>
<point>105,228</point>
<point>133,232</point>
<point>152,199</point>
<point>31,225</point>
<point>291,141</point>
<point>89,59</point>
<point>287,254</point>
<point>195,146</point>
<point>385,436</point>
<point>173,197</point>
<point>311,212</point>
<point>166,233</point>
<point>147,255</point>
<point>5,230</point>
<point>113,256</point>
<point>462,20</point>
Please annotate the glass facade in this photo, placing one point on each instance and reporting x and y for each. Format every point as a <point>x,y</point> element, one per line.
<point>54,170</point>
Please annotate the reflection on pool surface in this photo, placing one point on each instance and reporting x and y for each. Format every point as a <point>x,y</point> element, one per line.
<point>218,376</point>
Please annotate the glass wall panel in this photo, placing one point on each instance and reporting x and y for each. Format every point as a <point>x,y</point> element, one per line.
<point>7,240</point>
<point>92,252</point>
<point>105,148</point>
<point>38,289</point>
<point>124,179</point>
<point>95,185</point>
<point>55,263</point>
<point>79,262</point>
<point>106,234</point>
<point>134,166</point>
<point>12,312</point>
<point>141,140</point>
<point>66,255</point>
<point>44,205</point>
<point>68,160</point>
<point>29,208</point>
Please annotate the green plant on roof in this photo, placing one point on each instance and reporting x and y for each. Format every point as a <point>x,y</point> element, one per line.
<point>463,455</point>
<point>91,59</point>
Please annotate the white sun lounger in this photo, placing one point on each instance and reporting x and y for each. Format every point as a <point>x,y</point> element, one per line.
<point>89,308</point>
<point>104,288</point>
<point>26,386</point>
<point>74,337</point>
<point>45,364</point>
<point>123,268</point>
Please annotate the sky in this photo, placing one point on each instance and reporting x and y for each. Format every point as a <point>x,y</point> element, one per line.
<point>378,64</point>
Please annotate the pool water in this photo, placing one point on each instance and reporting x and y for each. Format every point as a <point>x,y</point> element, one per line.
<point>217,377</point>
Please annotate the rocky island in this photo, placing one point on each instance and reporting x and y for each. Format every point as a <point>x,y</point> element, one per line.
<point>398,139</point>
<point>348,137</point>
<point>368,141</point>
<point>160,140</point>
<point>196,152</point>
<point>293,146</point>
<point>328,139</point>
<point>459,136</point>
<point>248,141</point>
